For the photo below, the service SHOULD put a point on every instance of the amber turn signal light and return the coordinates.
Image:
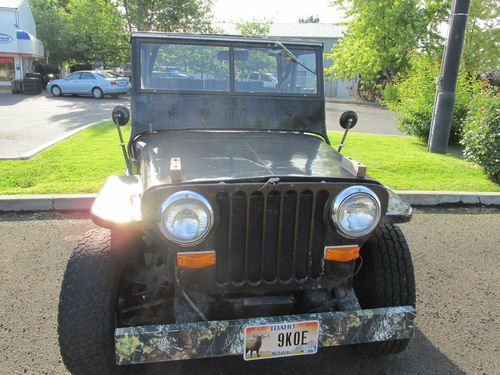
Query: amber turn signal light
(196, 259)
(341, 253)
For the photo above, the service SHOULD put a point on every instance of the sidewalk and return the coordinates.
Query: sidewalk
(83, 202)
(354, 101)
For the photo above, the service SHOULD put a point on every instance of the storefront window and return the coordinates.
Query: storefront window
(7, 72)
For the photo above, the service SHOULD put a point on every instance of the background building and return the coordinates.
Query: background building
(326, 33)
(19, 47)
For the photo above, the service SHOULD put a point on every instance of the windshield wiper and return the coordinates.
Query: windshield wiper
(285, 52)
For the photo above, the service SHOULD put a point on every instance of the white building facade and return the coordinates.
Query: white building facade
(19, 47)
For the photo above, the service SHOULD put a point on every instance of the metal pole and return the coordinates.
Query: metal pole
(445, 97)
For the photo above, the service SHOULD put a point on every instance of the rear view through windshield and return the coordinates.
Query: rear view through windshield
(190, 67)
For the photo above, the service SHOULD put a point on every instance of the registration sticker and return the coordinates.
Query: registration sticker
(281, 340)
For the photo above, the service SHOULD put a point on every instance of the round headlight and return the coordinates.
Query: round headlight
(186, 218)
(355, 212)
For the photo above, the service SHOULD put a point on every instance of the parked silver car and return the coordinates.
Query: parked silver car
(90, 82)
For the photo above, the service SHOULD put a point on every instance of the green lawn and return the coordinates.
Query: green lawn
(81, 163)
(403, 163)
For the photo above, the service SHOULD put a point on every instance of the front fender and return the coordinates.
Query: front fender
(398, 210)
(118, 204)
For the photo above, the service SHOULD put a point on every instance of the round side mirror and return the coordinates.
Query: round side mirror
(348, 118)
(120, 115)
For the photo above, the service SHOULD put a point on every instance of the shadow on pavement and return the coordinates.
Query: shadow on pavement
(421, 357)
(9, 99)
(82, 110)
(12, 216)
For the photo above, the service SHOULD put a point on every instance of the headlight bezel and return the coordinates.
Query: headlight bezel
(182, 196)
(337, 202)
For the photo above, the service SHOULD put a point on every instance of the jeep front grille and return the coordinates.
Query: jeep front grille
(269, 236)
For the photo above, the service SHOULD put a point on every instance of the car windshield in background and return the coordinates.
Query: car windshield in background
(185, 67)
(108, 75)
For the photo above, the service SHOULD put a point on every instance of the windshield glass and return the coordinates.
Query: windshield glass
(189, 67)
(266, 70)
(181, 67)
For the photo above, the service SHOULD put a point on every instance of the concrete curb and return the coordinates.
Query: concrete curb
(436, 198)
(356, 102)
(60, 202)
(83, 202)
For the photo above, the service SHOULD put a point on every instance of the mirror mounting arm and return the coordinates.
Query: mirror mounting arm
(347, 121)
(121, 117)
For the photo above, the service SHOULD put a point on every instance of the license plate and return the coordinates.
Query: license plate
(281, 340)
(122, 83)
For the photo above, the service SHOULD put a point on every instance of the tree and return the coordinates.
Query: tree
(381, 35)
(81, 31)
(310, 19)
(481, 50)
(97, 31)
(254, 27)
(167, 15)
(52, 29)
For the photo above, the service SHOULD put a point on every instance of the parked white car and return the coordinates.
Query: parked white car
(90, 82)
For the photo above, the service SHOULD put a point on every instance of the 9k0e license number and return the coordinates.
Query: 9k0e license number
(281, 340)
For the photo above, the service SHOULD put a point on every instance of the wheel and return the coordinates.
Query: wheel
(87, 304)
(97, 93)
(55, 91)
(386, 279)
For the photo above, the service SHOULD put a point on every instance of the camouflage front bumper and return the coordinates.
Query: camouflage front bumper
(171, 342)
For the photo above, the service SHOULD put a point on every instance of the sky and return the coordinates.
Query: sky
(274, 10)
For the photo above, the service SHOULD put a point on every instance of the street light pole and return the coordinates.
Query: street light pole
(445, 94)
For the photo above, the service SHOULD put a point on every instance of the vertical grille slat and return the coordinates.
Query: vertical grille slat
(270, 243)
(238, 237)
(287, 235)
(270, 236)
(319, 234)
(301, 258)
(221, 265)
(254, 244)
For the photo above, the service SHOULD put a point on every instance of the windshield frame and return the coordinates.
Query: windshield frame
(231, 44)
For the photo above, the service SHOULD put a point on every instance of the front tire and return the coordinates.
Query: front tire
(97, 93)
(386, 279)
(87, 305)
(55, 91)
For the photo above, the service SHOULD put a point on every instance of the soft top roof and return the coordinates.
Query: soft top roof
(224, 38)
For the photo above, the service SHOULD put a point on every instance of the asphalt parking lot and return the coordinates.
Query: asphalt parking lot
(372, 119)
(29, 124)
(457, 264)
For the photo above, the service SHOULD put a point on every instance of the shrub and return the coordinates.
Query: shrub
(415, 96)
(481, 136)
(389, 93)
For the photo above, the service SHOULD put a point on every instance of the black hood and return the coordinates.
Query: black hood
(208, 156)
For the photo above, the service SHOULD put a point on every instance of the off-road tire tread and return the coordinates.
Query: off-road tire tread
(387, 278)
(86, 306)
